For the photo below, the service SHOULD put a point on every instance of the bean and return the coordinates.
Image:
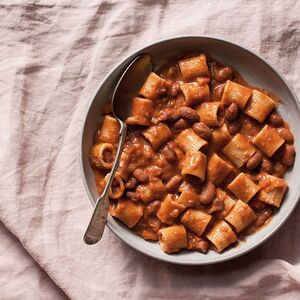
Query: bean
(232, 112)
(286, 134)
(174, 183)
(264, 216)
(218, 204)
(131, 183)
(222, 74)
(195, 242)
(208, 194)
(170, 154)
(254, 161)
(202, 130)
(168, 115)
(288, 155)
(266, 166)
(182, 124)
(189, 114)
(140, 175)
(153, 207)
(234, 127)
(275, 120)
(203, 80)
(134, 196)
(218, 92)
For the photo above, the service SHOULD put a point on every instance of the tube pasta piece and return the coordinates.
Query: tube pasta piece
(236, 93)
(193, 67)
(173, 238)
(155, 189)
(241, 216)
(259, 106)
(220, 137)
(158, 135)
(195, 220)
(194, 93)
(189, 198)
(243, 187)
(103, 155)
(221, 235)
(228, 203)
(273, 190)
(190, 141)
(117, 188)
(169, 210)
(268, 140)
(239, 150)
(127, 211)
(218, 169)
(109, 132)
(153, 86)
(141, 112)
(195, 164)
(210, 113)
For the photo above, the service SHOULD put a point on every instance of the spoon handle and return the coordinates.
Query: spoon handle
(96, 226)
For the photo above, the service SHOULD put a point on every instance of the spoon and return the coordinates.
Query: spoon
(127, 88)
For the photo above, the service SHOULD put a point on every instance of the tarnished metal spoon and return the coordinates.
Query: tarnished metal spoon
(126, 88)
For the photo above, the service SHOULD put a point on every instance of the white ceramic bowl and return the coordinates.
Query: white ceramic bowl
(257, 72)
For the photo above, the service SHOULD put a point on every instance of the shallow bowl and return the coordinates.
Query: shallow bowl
(257, 72)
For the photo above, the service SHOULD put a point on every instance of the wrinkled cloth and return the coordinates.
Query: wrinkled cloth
(54, 55)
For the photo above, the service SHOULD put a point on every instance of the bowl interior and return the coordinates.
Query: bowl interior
(258, 73)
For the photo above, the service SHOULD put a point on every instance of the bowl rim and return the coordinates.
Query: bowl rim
(170, 258)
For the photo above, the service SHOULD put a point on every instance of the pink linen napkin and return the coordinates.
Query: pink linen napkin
(54, 55)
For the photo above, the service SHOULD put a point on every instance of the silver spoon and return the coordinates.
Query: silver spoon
(126, 88)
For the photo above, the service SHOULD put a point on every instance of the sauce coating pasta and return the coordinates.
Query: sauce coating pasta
(203, 160)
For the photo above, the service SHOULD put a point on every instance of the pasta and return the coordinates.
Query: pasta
(141, 112)
(189, 198)
(218, 169)
(240, 216)
(169, 210)
(211, 113)
(173, 238)
(228, 203)
(190, 141)
(221, 235)
(239, 150)
(153, 87)
(203, 159)
(127, 211)
(268, 140)
(158, 135)
(109, 132)
(220, 137)
(195, 220)
(193, 67)
(117, 188)
(103, 155)
(243, 187)
(235, 93)
(194, 93)
(259, 106)
(272, 190)
(195, 164)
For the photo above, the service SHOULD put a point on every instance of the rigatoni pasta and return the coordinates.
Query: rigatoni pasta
(190, 141)
(243, 187)
(202, 161)
(239, 150)
(259, 106)
(195, 164)
(240, 216)
(236, 93)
